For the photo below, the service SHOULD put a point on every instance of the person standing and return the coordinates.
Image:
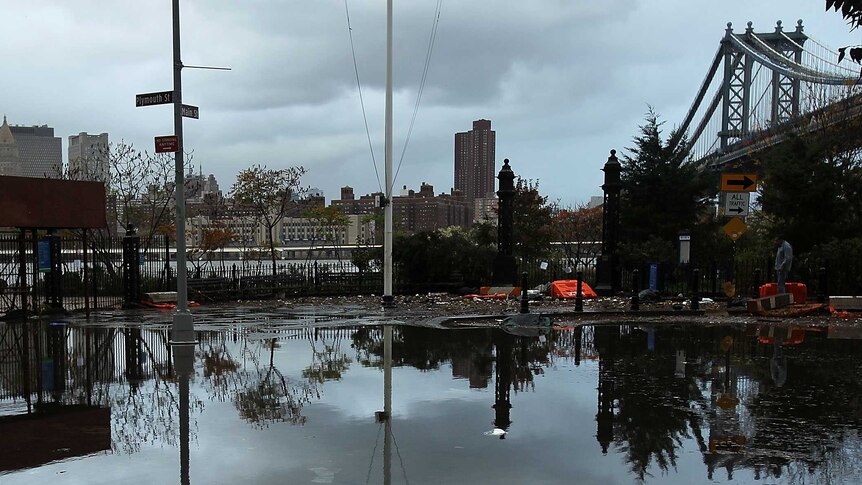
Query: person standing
(783, 260)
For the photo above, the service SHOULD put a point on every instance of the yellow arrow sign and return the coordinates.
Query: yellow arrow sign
(738, 182)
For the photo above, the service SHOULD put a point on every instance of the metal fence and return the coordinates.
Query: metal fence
(90, 275)
(85, 271)
(743, 276)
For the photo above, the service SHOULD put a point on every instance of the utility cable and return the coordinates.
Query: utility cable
(361, 100)
(429, 51)
(373, 452)
(398, 452)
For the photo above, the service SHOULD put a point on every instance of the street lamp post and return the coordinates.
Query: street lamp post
(183, 327)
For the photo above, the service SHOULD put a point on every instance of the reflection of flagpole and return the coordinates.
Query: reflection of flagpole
(387, 404)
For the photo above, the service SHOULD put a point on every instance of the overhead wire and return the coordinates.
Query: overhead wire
(361, 100)
(429, 51)
(400, 460)
(373, 453)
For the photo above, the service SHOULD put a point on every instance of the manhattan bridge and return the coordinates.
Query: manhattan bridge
(762, 87)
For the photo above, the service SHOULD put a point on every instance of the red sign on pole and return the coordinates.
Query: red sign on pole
(167, 144)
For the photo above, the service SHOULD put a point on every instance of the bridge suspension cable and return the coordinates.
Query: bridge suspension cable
(782, 64)
(818, 57)
(788, 66)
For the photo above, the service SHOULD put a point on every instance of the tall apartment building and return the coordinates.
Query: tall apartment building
(474, 161)
(88, 157)
(40, 153)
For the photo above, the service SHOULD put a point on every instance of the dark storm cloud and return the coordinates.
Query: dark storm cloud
(562, 81)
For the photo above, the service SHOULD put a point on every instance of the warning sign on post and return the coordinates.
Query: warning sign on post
(167, 144)
(735, 228)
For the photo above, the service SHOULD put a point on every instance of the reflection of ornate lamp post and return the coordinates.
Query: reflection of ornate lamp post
(502, 389)
(605, 414)
(605, 341)
(608, 273)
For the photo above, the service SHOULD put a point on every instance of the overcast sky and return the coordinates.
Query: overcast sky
(563, 81)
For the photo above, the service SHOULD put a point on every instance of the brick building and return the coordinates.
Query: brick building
(413, 211)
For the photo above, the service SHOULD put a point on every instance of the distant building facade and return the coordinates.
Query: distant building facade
(485, 209)
(88, 157)
(9, 156)
(349, 204)
(474, 161)
(413, 211)
(40, 153)
(250, 232)
(200, 187)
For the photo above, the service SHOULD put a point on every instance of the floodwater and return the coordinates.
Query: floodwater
(271, 403)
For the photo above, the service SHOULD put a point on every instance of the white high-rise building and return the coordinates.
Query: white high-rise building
(88, 157)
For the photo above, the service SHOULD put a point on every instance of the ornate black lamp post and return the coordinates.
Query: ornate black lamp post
(608, 271)
(504, 263)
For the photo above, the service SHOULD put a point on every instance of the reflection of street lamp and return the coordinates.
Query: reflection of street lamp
(184, 357)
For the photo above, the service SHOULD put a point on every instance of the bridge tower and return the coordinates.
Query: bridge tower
(738, 64)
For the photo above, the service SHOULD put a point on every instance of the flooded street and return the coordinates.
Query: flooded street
(297, 403)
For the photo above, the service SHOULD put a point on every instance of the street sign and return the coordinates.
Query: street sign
(735, 228)
(190, 111)
(44, 255)
(150, 99)
(738, 182)
(736, 203)
(167, 144)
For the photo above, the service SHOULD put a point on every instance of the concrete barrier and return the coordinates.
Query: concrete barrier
(846, 303)
(757, 305)
(161, 297)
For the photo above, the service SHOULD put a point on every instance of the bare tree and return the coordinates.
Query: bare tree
(579, 232)
(139, 190)
(268, 193)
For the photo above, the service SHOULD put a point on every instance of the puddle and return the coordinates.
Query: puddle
(305, 400)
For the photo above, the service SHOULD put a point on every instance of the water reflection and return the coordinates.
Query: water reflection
(753, 403)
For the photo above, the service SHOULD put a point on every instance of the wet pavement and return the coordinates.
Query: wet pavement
(297, 393)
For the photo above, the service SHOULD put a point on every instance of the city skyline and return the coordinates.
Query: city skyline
(563, 85)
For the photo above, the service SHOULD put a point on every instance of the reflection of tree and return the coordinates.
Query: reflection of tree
(806, 423)
(146, 410)
(654, 412)
(260, 391)
(265, 395)
(329, 362)
(794, 430)
(219, 368)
